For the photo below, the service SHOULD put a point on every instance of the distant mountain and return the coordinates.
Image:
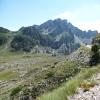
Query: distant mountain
(58, 26)
(4, 35)
(3, 30)
(59, 35)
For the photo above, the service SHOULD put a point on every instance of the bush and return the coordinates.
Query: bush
(68, 69)
(16, 90)
(95, 57)
(49, 74)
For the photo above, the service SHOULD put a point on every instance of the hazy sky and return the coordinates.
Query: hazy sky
(84, 14)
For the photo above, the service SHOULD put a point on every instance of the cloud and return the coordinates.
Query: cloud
(65, 15)
(85, 17)
(82, 19)
(95, 25)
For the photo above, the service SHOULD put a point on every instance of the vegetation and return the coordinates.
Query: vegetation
(86, 85)
(18, 68)
(16, 90)
(95, 57)
(7, 75)
(22, 42)
(67, 69)
(69, 88)
(95, 51)
(50, 78)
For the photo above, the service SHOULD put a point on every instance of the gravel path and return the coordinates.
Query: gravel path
(92, 94)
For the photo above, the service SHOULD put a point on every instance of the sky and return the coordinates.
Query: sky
(84, 14)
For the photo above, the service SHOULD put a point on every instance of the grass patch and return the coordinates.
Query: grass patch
(7, 75)
(69, 88)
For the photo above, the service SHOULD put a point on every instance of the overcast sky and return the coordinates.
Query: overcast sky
(84, 14)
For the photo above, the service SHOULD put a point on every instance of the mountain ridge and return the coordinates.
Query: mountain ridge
(53, 34)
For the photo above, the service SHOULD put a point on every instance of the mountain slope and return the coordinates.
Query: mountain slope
(58, 26)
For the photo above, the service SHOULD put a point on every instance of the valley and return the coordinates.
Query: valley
(49, 50)
(18, 69)
(42, 62)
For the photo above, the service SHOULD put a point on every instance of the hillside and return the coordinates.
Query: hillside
(69, 90)
(86, 84)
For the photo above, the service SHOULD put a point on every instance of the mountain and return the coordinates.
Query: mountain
(39, 67)
(58, 26)
(4, 36)
(4, 30)
(59, 35)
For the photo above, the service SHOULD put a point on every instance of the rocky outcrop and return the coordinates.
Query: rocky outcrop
(82, 55)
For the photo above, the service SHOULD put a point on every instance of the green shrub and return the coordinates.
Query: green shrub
(67, 69)
(16, 90)
(49, 74)
(95, 57)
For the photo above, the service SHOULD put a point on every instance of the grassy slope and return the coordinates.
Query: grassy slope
(70, 87)
(7, 75)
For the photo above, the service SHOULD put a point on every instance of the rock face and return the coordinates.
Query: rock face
(55, 33)
(92, 94)
(59, 26)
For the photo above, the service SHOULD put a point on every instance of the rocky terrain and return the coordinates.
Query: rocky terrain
(92, 94)
(82, 55)
(23, 69)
